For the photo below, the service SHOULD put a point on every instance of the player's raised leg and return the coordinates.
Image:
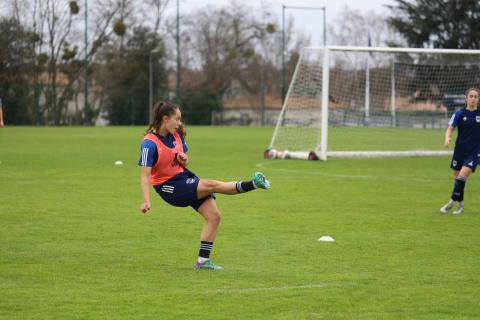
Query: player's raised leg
(207, 186)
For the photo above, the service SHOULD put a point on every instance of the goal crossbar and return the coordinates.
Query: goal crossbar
(393, 50)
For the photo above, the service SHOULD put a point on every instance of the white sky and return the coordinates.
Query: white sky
(305, 20)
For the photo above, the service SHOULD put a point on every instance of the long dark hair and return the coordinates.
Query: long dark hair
(164, 108)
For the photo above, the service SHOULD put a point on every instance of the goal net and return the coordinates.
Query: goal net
(371, 102)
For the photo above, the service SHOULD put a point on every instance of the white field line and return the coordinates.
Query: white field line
(310, 172)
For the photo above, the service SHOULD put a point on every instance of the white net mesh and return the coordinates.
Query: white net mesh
(299, 122)
(377, 101)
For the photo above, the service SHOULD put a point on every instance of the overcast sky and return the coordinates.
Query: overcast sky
(305, 20)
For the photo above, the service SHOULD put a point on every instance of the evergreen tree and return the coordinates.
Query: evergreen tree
(453, 24)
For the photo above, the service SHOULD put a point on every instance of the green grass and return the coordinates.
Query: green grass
(72, 245)
(360, 139)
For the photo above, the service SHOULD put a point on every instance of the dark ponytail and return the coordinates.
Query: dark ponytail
(160, 109)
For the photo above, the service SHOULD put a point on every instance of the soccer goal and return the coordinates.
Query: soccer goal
(372, 102)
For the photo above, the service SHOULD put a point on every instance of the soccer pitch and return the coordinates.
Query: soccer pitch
(73, 245)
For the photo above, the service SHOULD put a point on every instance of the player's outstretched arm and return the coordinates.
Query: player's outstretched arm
(1, 114)
(145, 187)
(448, 136)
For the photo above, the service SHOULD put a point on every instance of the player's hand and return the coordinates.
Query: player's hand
(144, 207)
(1, 124)
(447, 142)
(182, 159)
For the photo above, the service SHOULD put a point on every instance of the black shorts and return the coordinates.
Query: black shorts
(461, 159)
(181, 190)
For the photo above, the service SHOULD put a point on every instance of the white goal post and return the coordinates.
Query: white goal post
(372, 102)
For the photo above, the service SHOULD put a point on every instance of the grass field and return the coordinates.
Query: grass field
(360, 139)
(73, 245)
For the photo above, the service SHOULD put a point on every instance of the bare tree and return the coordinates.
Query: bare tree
(157, 9)
(59, 22)
(354, 27)
(224, 43)
(58, 62)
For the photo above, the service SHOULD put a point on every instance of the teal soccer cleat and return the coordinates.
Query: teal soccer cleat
(207, 265)
(261, 181)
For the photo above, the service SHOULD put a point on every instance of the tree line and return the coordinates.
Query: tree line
(46, 69)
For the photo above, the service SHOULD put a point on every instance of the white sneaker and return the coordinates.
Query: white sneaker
(459, 209)
(447, 207)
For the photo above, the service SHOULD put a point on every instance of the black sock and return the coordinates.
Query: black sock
(205, 248)
(458, 188)
(244, 186)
